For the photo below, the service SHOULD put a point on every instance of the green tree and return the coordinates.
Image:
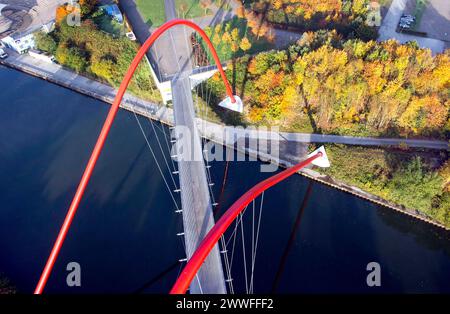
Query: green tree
(414, 186)
(45, 42)
(72, 57)
(103, 68)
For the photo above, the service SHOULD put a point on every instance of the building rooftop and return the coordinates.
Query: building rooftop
(17, 35)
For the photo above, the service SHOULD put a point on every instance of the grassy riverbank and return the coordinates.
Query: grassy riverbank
(414, 179)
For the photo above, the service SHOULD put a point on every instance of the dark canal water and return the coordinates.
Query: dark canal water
(124, 234)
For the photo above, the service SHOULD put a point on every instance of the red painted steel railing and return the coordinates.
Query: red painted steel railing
(104, 133)
(213, 236)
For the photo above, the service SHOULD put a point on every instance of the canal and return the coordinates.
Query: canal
(313, 239)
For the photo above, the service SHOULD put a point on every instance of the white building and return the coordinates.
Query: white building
(19, 42)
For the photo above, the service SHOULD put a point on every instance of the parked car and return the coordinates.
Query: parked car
(3, 54)
(408, 16)
(406, 21)
(405, 24)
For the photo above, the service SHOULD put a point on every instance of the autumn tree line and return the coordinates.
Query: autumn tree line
(347, 17)
(326, 85)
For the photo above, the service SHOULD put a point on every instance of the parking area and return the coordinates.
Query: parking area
(13, 19)
(23, 15)
(435, 20)
(389, 26)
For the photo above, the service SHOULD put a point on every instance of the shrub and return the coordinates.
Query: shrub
(45, 42)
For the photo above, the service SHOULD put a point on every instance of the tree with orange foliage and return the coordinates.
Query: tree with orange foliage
(245, 44)
(61, 12)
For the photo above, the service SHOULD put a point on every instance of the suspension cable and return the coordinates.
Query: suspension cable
(256, 242)
(224, 222)
(203, 112)
(244, 254)
(162, 153)
(104, 134)
(157, 163)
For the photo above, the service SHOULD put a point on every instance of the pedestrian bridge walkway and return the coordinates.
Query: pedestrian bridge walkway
(196, 203)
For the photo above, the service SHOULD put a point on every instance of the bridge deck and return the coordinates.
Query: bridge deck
(195, 199)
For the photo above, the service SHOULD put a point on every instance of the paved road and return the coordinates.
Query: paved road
(285, 38)
(214, 130)
(363, 141)
(142, 31)
(171, 51)
(436, 20)
(389, 25)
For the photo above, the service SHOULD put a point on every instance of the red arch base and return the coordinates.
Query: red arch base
(104, 133)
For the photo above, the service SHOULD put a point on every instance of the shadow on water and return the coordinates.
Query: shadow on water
(292, 237)
(157, 278)
(431, 237)
(124, 234)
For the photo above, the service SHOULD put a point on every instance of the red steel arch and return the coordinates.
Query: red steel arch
(213, 236)
(104, 133)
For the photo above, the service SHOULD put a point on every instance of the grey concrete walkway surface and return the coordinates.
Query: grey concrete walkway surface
(389, 25)
(196, 204)
(215, 131)
(436, 20)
